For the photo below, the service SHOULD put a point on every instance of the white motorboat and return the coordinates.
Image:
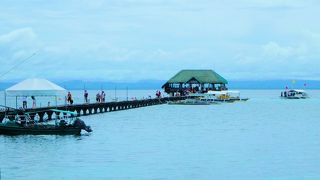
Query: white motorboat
(294, 94)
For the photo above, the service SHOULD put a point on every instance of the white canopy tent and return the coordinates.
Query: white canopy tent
(34, 87)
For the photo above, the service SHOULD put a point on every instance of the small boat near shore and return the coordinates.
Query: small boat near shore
(294, 94)
(67, 125)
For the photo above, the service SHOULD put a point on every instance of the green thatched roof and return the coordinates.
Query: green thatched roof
(202, 76)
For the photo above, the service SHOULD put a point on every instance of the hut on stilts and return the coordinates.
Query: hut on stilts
(194, 81)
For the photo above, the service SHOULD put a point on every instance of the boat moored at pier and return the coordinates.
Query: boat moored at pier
(69, 124)
(222, 96)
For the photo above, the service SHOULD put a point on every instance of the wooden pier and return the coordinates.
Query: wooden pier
(44, 113)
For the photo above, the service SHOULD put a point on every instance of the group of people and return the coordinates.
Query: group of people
(101, 97)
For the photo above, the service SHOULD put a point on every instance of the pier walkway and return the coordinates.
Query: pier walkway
(44, 113)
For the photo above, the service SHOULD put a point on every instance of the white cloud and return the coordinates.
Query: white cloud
(18, 44)
(142, 39)
(274, 50)
(279, 3)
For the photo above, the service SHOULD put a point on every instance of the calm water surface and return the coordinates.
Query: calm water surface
(263, 138)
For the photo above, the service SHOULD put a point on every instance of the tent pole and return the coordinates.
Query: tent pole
(56, 101)
(5, 98)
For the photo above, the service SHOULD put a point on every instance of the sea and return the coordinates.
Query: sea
(263, 138)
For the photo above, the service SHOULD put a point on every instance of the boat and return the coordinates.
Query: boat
(69, 124)
(294, 94)
(225, 96)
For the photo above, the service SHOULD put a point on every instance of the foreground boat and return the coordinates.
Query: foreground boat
(68, 125)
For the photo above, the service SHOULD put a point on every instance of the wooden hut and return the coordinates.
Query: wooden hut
(194, 81)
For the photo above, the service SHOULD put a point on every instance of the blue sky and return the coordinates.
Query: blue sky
(130, 40)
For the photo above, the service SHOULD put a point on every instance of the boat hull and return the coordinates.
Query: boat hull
(293, 97)
(190, 102)
(49, 130)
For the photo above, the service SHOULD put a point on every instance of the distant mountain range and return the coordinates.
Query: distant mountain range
(156, 84)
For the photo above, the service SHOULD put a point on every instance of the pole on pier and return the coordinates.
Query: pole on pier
(115, 93)
(127, 93)
(84, 88)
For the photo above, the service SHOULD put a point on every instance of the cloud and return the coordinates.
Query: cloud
(278, 4)
(15, 47)
(142, 39)
(274, 61)
(18, 44)
(274, 50)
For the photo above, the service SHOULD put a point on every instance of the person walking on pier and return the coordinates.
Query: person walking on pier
(86, 94)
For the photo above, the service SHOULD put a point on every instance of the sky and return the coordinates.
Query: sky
(133, 40)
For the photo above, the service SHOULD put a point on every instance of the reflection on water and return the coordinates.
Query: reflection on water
(263, 138)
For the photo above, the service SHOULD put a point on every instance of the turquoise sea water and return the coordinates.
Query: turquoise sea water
(263, 138)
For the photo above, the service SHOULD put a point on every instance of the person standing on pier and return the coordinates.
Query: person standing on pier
(86, 94)
(98, 96)
(33, 102)
(103, 96)
(69, 98)
(158, 94)
(24, 102)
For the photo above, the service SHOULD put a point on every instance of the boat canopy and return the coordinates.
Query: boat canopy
(223, 92)
(217, 92)
(35, 87)
(65, 112)
(298, 90)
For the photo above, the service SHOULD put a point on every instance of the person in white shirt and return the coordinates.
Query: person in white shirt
(24, 102)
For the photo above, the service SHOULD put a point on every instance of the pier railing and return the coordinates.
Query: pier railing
(44, 113)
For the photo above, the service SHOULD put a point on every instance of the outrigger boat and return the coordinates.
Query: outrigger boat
(210, 97)
(69, 124)
(190, 101)
(221, 96)
(228, 96)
